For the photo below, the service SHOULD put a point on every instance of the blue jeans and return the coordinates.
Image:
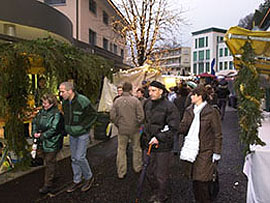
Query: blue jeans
(79, 162)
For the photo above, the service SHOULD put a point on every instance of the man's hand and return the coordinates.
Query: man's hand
(153, 141)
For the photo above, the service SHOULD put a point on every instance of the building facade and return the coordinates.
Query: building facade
(174, 61)
(209, 51)
(92, 24)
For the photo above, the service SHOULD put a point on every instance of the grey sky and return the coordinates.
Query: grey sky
(202, 14)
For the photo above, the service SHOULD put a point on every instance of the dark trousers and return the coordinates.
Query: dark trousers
(222, 105)
(201, 191)
(50, 167)
(158, 173)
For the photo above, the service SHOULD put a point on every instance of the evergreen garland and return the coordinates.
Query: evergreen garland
(249, 96)
(61, 61)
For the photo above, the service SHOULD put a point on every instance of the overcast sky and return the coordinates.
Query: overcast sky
(202, 14)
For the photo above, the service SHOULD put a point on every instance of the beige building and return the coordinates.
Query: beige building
(92, 23)
(174, 61)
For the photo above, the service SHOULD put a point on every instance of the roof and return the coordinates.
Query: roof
(212, 29)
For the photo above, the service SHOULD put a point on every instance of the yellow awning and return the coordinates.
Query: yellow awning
(236, 38)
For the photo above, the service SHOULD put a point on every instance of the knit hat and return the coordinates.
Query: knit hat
(158, 85)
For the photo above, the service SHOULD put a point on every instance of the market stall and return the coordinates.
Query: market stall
(251, 52)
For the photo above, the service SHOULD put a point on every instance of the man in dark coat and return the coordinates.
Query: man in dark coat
(161, 123)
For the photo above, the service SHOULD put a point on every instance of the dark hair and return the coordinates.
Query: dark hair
(140, 90)
(200, 90)
(127, 87)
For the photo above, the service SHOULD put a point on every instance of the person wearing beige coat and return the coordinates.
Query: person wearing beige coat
(128, 115)
(209, 143)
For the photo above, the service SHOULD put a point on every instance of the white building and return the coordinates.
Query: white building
(175, 61)
(209, 51)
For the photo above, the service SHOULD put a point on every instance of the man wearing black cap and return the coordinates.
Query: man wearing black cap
(161, 123)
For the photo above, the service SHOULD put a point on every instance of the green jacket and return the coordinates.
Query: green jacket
(79, 115)
(50, 124)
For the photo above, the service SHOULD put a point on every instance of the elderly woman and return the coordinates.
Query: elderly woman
(47, 127)
(201, 126)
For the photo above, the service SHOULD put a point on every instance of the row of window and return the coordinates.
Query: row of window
(201, 42)
(106, 45)
(92, 8)
(205, 67)
(225, 65)
(224, 52)
(203, 54)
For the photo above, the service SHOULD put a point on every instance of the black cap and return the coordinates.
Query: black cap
(159, 85)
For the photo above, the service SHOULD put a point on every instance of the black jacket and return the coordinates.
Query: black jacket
(158, 114)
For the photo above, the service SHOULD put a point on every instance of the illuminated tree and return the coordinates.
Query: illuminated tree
(147, 22)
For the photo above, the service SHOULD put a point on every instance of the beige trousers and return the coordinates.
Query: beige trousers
(121, 161)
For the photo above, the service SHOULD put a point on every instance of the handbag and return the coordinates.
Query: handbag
(214, 184)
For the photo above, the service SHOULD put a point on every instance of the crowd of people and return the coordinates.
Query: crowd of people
(154, 117)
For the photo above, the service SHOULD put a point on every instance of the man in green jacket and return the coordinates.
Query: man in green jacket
(79, 116)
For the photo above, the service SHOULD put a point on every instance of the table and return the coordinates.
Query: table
(257, 166)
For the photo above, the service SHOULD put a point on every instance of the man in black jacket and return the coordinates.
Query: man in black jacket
(161, 123)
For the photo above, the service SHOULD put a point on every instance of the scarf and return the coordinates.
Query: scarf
(190, 149)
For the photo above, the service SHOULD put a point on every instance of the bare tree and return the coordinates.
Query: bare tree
(149, 21)
(247, 22)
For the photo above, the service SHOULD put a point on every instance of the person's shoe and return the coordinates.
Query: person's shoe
(73, 187)
(88, 183)
(45, 190)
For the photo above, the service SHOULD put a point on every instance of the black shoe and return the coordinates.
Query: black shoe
(45, 190)
(74, 186)
(88, 183)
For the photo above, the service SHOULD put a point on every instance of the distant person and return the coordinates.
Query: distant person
(161, 124)
(201, 126)
(79, 116)
(119, 92)
(47, 127)
(222, 95)
(127, 114)
(172, 94)
(140, 95)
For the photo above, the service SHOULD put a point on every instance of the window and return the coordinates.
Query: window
(225, 65)
(225, 51)
(201, 55)
(207, 54)
(115, 48)
(221, 39)
(220, 52)
(55, 1)
(105, 18)
(206, 41)
(220, 66)
(105, 44)
(111, 47)
(195, 69)
(230, 65)
(122, 53)
(201, 42)
(93, 6)
(92, 37)
(196, 42)
(201, 68)
(207, 66)
(194, 56)
(217, 38)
